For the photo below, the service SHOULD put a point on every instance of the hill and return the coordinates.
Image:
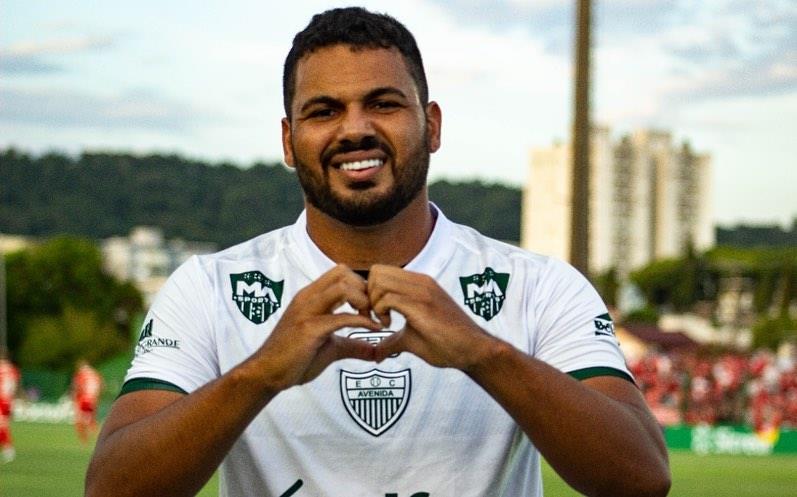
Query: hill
(98, 195)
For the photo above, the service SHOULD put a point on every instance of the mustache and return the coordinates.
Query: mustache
(365, 143)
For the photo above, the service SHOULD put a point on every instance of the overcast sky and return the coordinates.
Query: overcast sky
(203, 79)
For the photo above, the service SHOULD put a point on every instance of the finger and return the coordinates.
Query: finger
(350, 348)
(384, 280)
(394, 344)
(333, 290)
(400, 303)
(381, 309)
(338, 347)
(409, 285)
(325, 325)
(391, 278)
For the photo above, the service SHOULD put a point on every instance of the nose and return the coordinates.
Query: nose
(355, 125)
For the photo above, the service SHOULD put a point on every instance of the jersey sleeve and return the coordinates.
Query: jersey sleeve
(575, 333)
(176, 346)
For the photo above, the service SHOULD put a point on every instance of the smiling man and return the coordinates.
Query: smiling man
(358, 134)
(374, 348)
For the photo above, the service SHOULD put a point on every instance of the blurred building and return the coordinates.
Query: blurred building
(649, 199)
(145, 258)
(14, 243)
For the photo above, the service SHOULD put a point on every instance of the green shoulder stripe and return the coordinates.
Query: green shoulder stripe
(148, 384)
(583, 374)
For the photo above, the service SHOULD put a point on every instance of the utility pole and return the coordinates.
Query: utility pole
(579, 220)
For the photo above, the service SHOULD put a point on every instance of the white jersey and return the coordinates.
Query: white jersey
(400, 428)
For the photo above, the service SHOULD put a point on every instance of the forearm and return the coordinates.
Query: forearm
(175, 450)
(599, 445)
(172, 444)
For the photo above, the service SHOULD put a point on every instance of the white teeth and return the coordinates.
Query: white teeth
(363, 164)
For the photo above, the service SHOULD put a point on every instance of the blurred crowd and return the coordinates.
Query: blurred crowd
(758, 389)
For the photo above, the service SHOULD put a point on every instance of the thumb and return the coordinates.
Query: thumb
(351, 348)
(394, 344)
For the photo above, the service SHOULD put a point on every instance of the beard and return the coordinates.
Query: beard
(363, 207)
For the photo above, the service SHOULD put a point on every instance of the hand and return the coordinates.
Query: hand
(303, 343)
(437, 330)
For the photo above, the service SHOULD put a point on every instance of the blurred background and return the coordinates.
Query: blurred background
(133, 135)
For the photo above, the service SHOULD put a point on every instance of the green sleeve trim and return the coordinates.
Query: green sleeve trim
(583, 374)
(137, 384)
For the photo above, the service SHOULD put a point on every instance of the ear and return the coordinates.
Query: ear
(434, 121)
(287, 149)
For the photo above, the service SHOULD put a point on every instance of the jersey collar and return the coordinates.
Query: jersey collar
(431, 260)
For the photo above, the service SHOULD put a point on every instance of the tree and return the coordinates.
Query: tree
(678, 283)
(98, 195)
(608, 286)
(63, 306)
(658, 281)
(492, 209)
(771, 332)
(58, 342)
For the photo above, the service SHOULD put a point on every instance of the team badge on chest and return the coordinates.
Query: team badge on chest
(375, 399)
(256, 296)
(485, 293)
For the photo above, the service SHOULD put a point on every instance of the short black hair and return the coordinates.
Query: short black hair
(358, 28)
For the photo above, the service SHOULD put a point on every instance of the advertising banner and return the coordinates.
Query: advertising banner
(705, 439)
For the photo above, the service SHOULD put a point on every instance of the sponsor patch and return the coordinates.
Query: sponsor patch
(604, 325)
(148, 341)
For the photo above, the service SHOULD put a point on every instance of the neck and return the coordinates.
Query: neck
(395, 242)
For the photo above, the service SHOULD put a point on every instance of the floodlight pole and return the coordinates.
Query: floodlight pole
(579, 221)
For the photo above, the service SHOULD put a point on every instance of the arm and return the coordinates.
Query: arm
(597, 434)
(172, 442)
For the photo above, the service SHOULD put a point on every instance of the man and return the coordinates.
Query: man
(374, 348)
(86, 388)
(9, 380)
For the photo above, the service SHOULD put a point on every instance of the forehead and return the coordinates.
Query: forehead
(339, 71)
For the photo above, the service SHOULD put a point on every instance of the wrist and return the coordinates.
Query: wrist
(488, 353)
(252, 377)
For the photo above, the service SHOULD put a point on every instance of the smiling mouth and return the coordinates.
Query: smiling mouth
(360, 165)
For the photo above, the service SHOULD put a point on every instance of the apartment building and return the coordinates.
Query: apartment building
(147, 259)
(649, 199)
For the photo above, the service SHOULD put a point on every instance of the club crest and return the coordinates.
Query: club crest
(375, 399)
(256, 296)
(485, 293)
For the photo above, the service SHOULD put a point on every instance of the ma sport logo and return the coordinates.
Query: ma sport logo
(485, 293)
(256, 296)
(375, 399)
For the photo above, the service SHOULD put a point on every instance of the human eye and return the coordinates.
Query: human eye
(386, 105)
(320, 113)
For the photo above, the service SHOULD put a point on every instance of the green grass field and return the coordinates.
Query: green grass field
(51, 462)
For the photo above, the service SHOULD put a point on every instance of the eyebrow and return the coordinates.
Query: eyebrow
(385, 90)
(334, 102)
